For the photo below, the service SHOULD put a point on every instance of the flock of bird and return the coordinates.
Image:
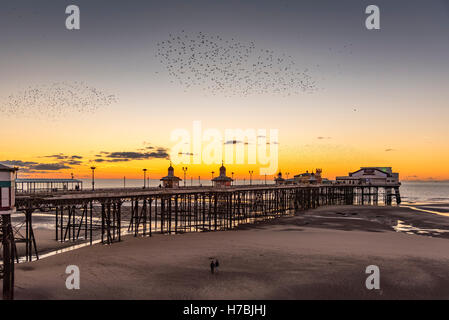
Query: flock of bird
(209, 62)
(230, 67)
(56, 100)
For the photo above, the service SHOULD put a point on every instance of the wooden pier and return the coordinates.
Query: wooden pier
(107, 215)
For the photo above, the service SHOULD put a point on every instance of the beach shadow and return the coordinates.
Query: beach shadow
(290, 229)
(25, 268)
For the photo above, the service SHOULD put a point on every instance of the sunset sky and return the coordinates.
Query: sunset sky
(380, 97)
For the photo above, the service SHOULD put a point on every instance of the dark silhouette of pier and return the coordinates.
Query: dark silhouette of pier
(106, 215)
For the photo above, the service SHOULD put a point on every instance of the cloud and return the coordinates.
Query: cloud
(388, 150)
(49, 166)
(160, 154)
(61, 156)
(323, 138)
(185, 153)
(64, 161)
(233, 142)
(18, 163)
(74, 162)
(34, 167)
(118, 156)
(127, 155)
(111, 160)
(146, 148)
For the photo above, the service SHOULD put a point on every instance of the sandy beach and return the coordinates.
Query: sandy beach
(319, 254)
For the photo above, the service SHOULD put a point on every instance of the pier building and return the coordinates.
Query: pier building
(370, 175)
(48, 185)
(279, 180)
(222, 180)
(170, 180)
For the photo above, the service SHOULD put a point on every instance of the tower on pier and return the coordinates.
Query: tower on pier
(222, 180)
(170, 180)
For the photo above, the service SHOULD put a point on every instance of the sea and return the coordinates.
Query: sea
(417, 192)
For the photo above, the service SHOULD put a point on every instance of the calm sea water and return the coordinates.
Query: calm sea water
(425, 192)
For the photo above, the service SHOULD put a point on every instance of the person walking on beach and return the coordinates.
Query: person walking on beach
(216, 264)
(212, 266)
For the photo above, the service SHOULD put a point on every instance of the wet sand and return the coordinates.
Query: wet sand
(320, 254)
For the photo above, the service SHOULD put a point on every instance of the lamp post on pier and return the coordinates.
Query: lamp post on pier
(144, 178)
(232, 174)
(185, 170)
(251, 177)
(93, 177)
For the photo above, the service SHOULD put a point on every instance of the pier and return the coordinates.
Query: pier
(107, 215)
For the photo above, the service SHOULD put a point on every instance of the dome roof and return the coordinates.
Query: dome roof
(222, 176)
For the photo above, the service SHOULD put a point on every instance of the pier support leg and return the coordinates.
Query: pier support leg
(397, 195)
(7, 269)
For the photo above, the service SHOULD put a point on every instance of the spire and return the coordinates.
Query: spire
(171, 171)
(222, 170)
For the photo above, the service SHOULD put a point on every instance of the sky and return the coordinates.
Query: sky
(111, 94)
